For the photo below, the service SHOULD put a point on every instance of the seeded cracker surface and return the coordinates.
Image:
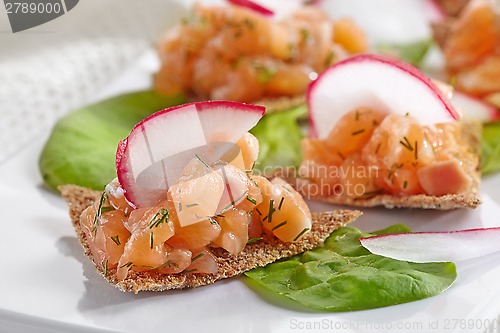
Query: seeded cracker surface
(254, 255)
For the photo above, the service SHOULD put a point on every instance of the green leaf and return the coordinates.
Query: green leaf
(413, 53)
(279, 135)
(343, 276)
(81, 149)
(490, 146)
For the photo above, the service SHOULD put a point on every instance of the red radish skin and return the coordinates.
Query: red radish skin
(370, 80)
(474, 108)
(435, 246)
(434, 10)
(215, 121)
(253, 6)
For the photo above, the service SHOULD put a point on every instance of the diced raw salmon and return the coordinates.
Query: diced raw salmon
(234, 236)
(283, 211)
(443, 177)
(474, 36)
(233, 53)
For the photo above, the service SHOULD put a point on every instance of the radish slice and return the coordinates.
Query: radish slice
(474, 108)
(253, 6)
(377, 82)
(434, 11)
(152, 157)
(435, 246)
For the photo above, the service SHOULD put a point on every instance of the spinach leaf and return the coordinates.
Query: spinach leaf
(343, 276)
(490, 146)
(81, 149)
(413, 53)
(279, 135)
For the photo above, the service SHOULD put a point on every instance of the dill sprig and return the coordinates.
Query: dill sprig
(281, 203)
(198, 256)
(159, 218)
(301, 233)
(395, 167)
(358, 132)
(271, 211)
(253, 240)
(151, 241)
(277, 226)
(104, 267)
(98, 214)
(128, 264)
(233, 203)
(168, 263)
(252, 200)
(116, 239)
(202, 161)
(406, 143)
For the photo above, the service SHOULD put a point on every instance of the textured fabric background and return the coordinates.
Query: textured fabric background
(47, 71)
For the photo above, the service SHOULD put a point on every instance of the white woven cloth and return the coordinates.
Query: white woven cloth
(73, 60)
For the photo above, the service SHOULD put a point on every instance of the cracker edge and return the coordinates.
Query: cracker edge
(254, 255)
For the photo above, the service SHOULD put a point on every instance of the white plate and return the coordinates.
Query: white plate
(47, 285)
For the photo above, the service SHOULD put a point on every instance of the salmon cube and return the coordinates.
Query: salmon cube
(443, 177)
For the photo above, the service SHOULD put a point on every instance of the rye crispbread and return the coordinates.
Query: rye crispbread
(255, 254)
(470, 135)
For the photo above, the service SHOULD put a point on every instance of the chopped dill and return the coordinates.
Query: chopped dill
(301, 233)
(202, 161)
(198, 256)
(305, 34)
(395, 167)
(405, 184)
(233, 203)
(253, 240)
(99, 212)
(329, 58)
(258, 211)
(278, 225)
(357, 132)
(264, 73)
(249, 23)
(281, 203)
(168, 263)
(406, 143)
(159, 218)
(116, 239)
(128, 264)
(252, 200)
(192, 205)
(271, 211)
(416, 150)
(105, 267)
(151, 240)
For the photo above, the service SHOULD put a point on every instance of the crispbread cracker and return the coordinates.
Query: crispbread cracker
(254, 255)
(470, 135)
